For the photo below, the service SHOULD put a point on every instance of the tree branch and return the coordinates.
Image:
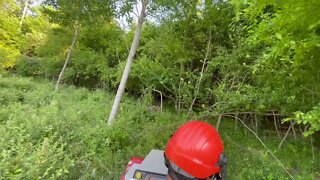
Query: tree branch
(67, 59)
(161, 105)
(202, 72)
(24, 13)
(292, 124)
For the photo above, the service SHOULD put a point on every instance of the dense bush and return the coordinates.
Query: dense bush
(65, 136)
(226, 56)
(45, 135)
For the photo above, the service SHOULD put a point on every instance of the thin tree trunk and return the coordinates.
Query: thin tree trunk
(201, 73)
(67, 59)
(312, 148)
(218, 122)
(179, 98)
(275, 124)
(293, 130)
(127, 69)
(161, 98)
(292, 124)
(256, 121)
(24, 13)
(235, 122)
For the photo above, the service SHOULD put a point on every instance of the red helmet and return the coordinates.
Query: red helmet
(196, 148)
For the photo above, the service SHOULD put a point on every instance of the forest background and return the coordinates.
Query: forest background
(254, 60)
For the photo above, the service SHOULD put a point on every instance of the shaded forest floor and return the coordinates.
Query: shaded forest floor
(65, 135)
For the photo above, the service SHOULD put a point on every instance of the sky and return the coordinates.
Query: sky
(123, 21)
(36, 3)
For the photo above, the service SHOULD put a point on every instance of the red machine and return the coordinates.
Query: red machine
(151, 166)
(194, 151)
(133, 161)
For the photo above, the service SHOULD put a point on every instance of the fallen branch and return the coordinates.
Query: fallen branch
(292, 124)
(234, 143)
(252, 151)
(264, 146)
(257, 113)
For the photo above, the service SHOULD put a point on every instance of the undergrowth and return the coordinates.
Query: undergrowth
(65, 136)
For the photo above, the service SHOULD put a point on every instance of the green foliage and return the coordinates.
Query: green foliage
(9, 35)
(55, 45)
(8, 57)
(78, 11)
(310, 118)
(259, 55)
(15, 41)
(100, 53)
(50, 126)
(171, 54)
(253, 55)
(286, 67)
(65, 136)
(247, 160)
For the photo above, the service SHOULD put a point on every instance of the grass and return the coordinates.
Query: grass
(65, 136)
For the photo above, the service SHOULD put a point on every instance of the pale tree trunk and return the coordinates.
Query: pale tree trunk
(67, 59)
(126, 71)
(201, 73)
(24, 12)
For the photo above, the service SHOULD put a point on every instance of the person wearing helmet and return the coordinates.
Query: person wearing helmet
(195, 151)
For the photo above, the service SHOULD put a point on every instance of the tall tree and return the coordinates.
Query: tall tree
(127, 69)
(177, 49)
(74, 14)
(67, 59)
(24, 12)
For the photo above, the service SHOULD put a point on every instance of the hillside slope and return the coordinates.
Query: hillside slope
(65, 136)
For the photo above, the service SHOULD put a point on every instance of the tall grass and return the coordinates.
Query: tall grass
(65, 136)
